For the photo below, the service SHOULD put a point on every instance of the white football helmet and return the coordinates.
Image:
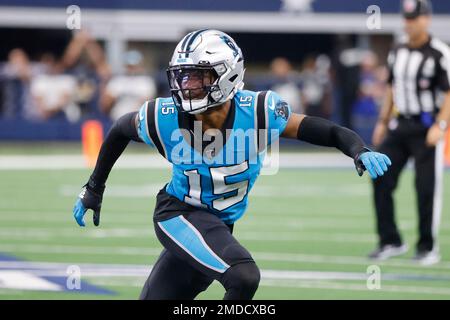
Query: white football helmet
(209, 60)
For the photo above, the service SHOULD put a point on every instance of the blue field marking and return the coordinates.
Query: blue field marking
(84, 288)
(8, 257)
(26, 268)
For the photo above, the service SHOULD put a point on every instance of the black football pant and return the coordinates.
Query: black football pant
(198, 249)
(402, 143)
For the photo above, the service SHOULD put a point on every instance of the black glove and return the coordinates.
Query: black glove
(90, 198)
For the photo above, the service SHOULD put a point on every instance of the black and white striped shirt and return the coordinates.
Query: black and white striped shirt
(418, 76)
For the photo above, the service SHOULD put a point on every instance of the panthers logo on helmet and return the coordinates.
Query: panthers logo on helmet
(282, 110)
(230, 43)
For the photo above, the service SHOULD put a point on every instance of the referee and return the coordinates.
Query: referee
(419, 96)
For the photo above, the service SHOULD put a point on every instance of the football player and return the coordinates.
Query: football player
(215, 135)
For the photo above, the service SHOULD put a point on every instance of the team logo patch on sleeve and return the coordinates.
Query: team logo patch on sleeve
(281, 110)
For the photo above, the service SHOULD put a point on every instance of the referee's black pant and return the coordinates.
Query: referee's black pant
(408, 140)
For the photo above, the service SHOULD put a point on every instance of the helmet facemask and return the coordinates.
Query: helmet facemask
(195, 88)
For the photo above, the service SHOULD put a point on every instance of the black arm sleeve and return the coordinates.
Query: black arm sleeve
(117, 139)
(323, 132)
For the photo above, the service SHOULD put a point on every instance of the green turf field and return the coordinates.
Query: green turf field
(315, 222)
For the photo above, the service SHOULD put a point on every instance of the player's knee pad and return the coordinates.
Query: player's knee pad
(241, 280)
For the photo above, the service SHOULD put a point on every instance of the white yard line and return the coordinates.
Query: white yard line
(356, 287)
(59, 162)
(47, 249)
(243, 234)
(139, 270)
(304, 284)
(251, 215)
(135, 275)
(85, 250)
(138, 161)
(253, 220)
(289, 191)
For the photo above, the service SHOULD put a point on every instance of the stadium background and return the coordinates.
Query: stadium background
(309, 227)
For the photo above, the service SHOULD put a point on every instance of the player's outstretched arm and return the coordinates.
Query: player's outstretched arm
(323, 132)
(117, 139)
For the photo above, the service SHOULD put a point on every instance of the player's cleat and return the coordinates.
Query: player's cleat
(388, 251)
(427, 258)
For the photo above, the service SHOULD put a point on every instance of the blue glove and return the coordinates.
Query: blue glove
(88, 199)
(374, 162)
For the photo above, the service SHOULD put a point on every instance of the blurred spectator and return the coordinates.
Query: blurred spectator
(53, 88)
(54, 92)
(370, 94)
(126, 93)
(85, 59)
(287, 83)
(16, 74)
(372, 78)
(346, 60)
(316, 86)
(2, 89)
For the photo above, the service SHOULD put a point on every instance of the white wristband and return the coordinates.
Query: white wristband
(442, 125)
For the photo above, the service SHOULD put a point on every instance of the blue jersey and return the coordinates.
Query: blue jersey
(215, 170)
